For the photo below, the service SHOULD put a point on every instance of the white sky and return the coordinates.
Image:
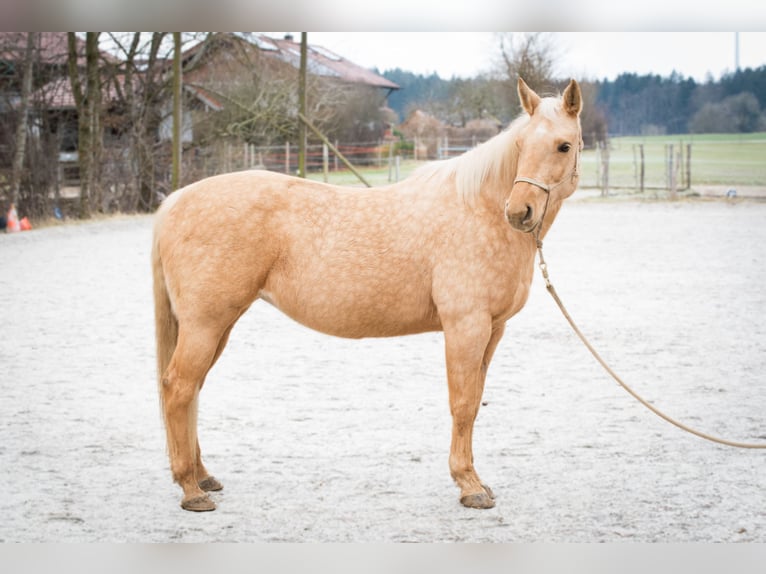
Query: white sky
(582, 55)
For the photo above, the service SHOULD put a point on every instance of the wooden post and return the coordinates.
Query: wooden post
(672, 184)
(335, 157)
(325, 162)
(688, 166)
(635, 166)
(604, 169)
(643, 168)
(287, 158)
(668, 165)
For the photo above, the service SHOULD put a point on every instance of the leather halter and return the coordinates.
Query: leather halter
(547, 188)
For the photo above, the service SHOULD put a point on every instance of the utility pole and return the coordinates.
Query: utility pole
(302, 106)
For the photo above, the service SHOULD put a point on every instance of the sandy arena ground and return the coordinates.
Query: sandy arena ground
(323, 439)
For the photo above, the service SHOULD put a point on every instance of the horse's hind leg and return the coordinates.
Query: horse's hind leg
(205, 480)
(196, 349)
(470, 343)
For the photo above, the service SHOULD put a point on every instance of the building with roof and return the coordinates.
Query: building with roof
(241, 86)
(247, 70)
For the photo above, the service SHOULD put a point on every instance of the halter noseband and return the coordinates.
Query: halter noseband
(541, 185)
(546, 187)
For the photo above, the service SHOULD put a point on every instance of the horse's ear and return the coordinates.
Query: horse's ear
(529, 99)
(572, 98)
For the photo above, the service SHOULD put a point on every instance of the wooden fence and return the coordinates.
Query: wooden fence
(638, 167)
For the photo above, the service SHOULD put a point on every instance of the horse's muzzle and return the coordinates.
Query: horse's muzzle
(523, 219)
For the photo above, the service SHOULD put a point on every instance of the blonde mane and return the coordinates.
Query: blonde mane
(490, 165)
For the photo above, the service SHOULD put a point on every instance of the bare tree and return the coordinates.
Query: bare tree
(177, 120)
(23, 123)
(140, 83)
(350, 112)
(259, 96)
(88, 104)
(527, 55)
(530, 56)
(258, 99)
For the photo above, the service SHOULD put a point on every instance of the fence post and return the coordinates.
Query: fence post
(671, 170)
(688, 166)
(635, 165)
(379, 153)
(604, 146)
(643, 168)
(287, 158)
(325, 162)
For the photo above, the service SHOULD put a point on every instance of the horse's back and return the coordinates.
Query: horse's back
(349, 262)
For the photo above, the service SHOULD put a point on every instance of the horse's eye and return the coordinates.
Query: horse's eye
(565, 147)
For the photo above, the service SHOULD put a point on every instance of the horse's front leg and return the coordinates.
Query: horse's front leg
(470, 342)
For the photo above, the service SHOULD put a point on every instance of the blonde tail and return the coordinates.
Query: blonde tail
(166, 324)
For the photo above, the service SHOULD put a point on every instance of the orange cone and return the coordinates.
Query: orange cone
(13, 220)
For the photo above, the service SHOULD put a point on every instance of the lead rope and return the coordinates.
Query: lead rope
(659, 413)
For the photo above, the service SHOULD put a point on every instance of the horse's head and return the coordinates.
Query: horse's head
(548, 155)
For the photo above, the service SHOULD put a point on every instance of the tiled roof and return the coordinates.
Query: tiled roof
(323, 62)
(52, 46)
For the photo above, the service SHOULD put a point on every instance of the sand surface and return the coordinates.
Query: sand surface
(323, 439)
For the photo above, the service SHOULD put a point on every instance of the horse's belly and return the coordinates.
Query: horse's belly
(356, 312)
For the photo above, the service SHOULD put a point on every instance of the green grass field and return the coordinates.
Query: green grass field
(716, 160)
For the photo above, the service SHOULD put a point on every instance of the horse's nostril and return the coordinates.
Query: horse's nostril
(528, 214)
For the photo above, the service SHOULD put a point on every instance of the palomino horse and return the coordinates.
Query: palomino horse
(451, 248)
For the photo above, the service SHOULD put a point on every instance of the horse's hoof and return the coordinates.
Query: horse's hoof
(210, 484)
(198, 504)
(484, 499)
(477, 500)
